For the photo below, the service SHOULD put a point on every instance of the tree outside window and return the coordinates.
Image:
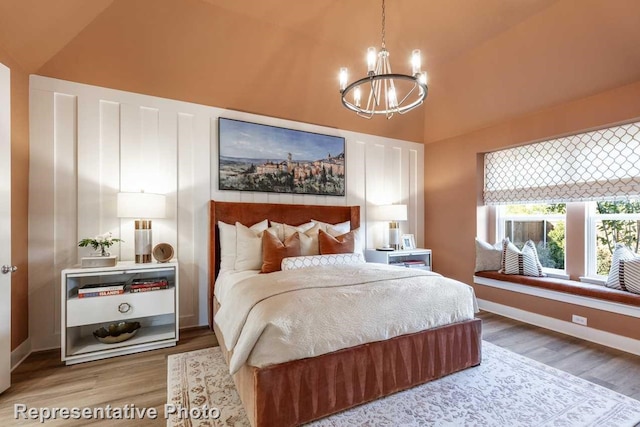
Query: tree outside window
(615, 222)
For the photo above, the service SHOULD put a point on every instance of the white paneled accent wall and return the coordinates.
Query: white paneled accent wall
(88, 143)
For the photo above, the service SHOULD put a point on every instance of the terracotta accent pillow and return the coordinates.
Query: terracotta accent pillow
(343, 244)
(274, 251)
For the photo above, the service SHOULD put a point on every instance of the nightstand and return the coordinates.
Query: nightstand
(411, 258)
(156, 310)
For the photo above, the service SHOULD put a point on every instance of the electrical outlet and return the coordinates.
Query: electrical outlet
(579, 320)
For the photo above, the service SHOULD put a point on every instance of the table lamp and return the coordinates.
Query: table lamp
(393, 214)
(142, 206)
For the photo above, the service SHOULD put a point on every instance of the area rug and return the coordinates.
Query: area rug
(505, 390)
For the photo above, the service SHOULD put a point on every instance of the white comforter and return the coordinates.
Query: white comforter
(289, 315)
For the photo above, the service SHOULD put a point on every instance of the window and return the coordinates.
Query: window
(611, 223)
(586, 174)
(542, 223)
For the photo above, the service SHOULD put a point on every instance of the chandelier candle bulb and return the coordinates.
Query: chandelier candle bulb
(415, 62)
(393, 101)
(356, 96)
(344, 77)
(371, 59)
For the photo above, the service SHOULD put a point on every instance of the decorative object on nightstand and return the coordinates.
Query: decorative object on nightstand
(118, 321)
(116, 332)
(101, 258)
(410, 258)
(408, 241)
(142, 206)
(393, 214)
(163, 252)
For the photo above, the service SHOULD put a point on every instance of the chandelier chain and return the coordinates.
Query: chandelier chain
(383, 30)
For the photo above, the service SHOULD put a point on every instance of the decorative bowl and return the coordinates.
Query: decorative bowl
(116, 332)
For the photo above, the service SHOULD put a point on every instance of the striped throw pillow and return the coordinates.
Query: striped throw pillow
(629, 274)
(524, 262)
(621, 254)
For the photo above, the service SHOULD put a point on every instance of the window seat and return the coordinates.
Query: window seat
(566, 286)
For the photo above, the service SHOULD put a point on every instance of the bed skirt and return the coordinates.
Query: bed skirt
(299, 391)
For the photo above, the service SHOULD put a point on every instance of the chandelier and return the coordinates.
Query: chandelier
(389, 93)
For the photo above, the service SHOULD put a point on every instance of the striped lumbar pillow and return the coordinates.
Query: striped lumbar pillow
(629, 274)
(620, 253)
(524, 262)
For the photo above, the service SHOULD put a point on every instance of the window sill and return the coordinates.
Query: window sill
(594, 280)
(555, 274)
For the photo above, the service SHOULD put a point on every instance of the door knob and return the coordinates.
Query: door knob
(6, 269)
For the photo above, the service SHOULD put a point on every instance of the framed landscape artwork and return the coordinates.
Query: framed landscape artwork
(255, 157)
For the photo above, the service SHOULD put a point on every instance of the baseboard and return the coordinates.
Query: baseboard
(45, 342)
(619, 342)
(20, 353)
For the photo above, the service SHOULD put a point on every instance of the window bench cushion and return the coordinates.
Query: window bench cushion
(568, 286)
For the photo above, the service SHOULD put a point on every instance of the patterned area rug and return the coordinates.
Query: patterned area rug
(505, 390)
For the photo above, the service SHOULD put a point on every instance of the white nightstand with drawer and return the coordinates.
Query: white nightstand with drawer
(412, 258)
(156, 310)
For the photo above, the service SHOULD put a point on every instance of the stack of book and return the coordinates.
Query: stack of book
(100, 290)
(145, 285)
(415, 264)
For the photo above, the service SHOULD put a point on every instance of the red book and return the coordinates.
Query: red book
(149, 288)
(148, 283)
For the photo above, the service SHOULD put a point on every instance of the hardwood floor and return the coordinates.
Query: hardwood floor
(42, 381)
(614, 369)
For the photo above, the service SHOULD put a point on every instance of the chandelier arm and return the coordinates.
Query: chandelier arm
(408, 94)
(372, 95)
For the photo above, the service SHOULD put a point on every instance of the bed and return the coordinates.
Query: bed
(299, 391)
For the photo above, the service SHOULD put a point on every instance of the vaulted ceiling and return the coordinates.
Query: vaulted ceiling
(488, 60)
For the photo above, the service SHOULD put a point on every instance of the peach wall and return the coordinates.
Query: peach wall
(453, 174)
(19, 198)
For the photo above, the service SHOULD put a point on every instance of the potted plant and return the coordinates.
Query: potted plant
(100, 243)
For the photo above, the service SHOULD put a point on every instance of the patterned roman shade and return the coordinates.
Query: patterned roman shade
(598, 165)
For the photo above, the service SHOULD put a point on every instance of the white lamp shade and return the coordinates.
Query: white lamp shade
(141, 205)
(390, 213)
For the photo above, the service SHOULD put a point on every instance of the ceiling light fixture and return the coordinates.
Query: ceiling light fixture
(385, 87)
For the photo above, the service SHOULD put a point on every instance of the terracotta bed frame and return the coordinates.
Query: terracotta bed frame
(300, 391)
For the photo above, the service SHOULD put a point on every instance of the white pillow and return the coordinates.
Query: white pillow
(524, 262)
(294, 263)
(309, 241)
(228, 242)
(249, 247)
(283, 231)
(488, 257)
(334, 229)
(227, 245)
(620, 253)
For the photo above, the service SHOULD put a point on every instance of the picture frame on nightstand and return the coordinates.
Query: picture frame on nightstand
(408, 241)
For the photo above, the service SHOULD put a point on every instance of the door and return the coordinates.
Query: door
(5, 229)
